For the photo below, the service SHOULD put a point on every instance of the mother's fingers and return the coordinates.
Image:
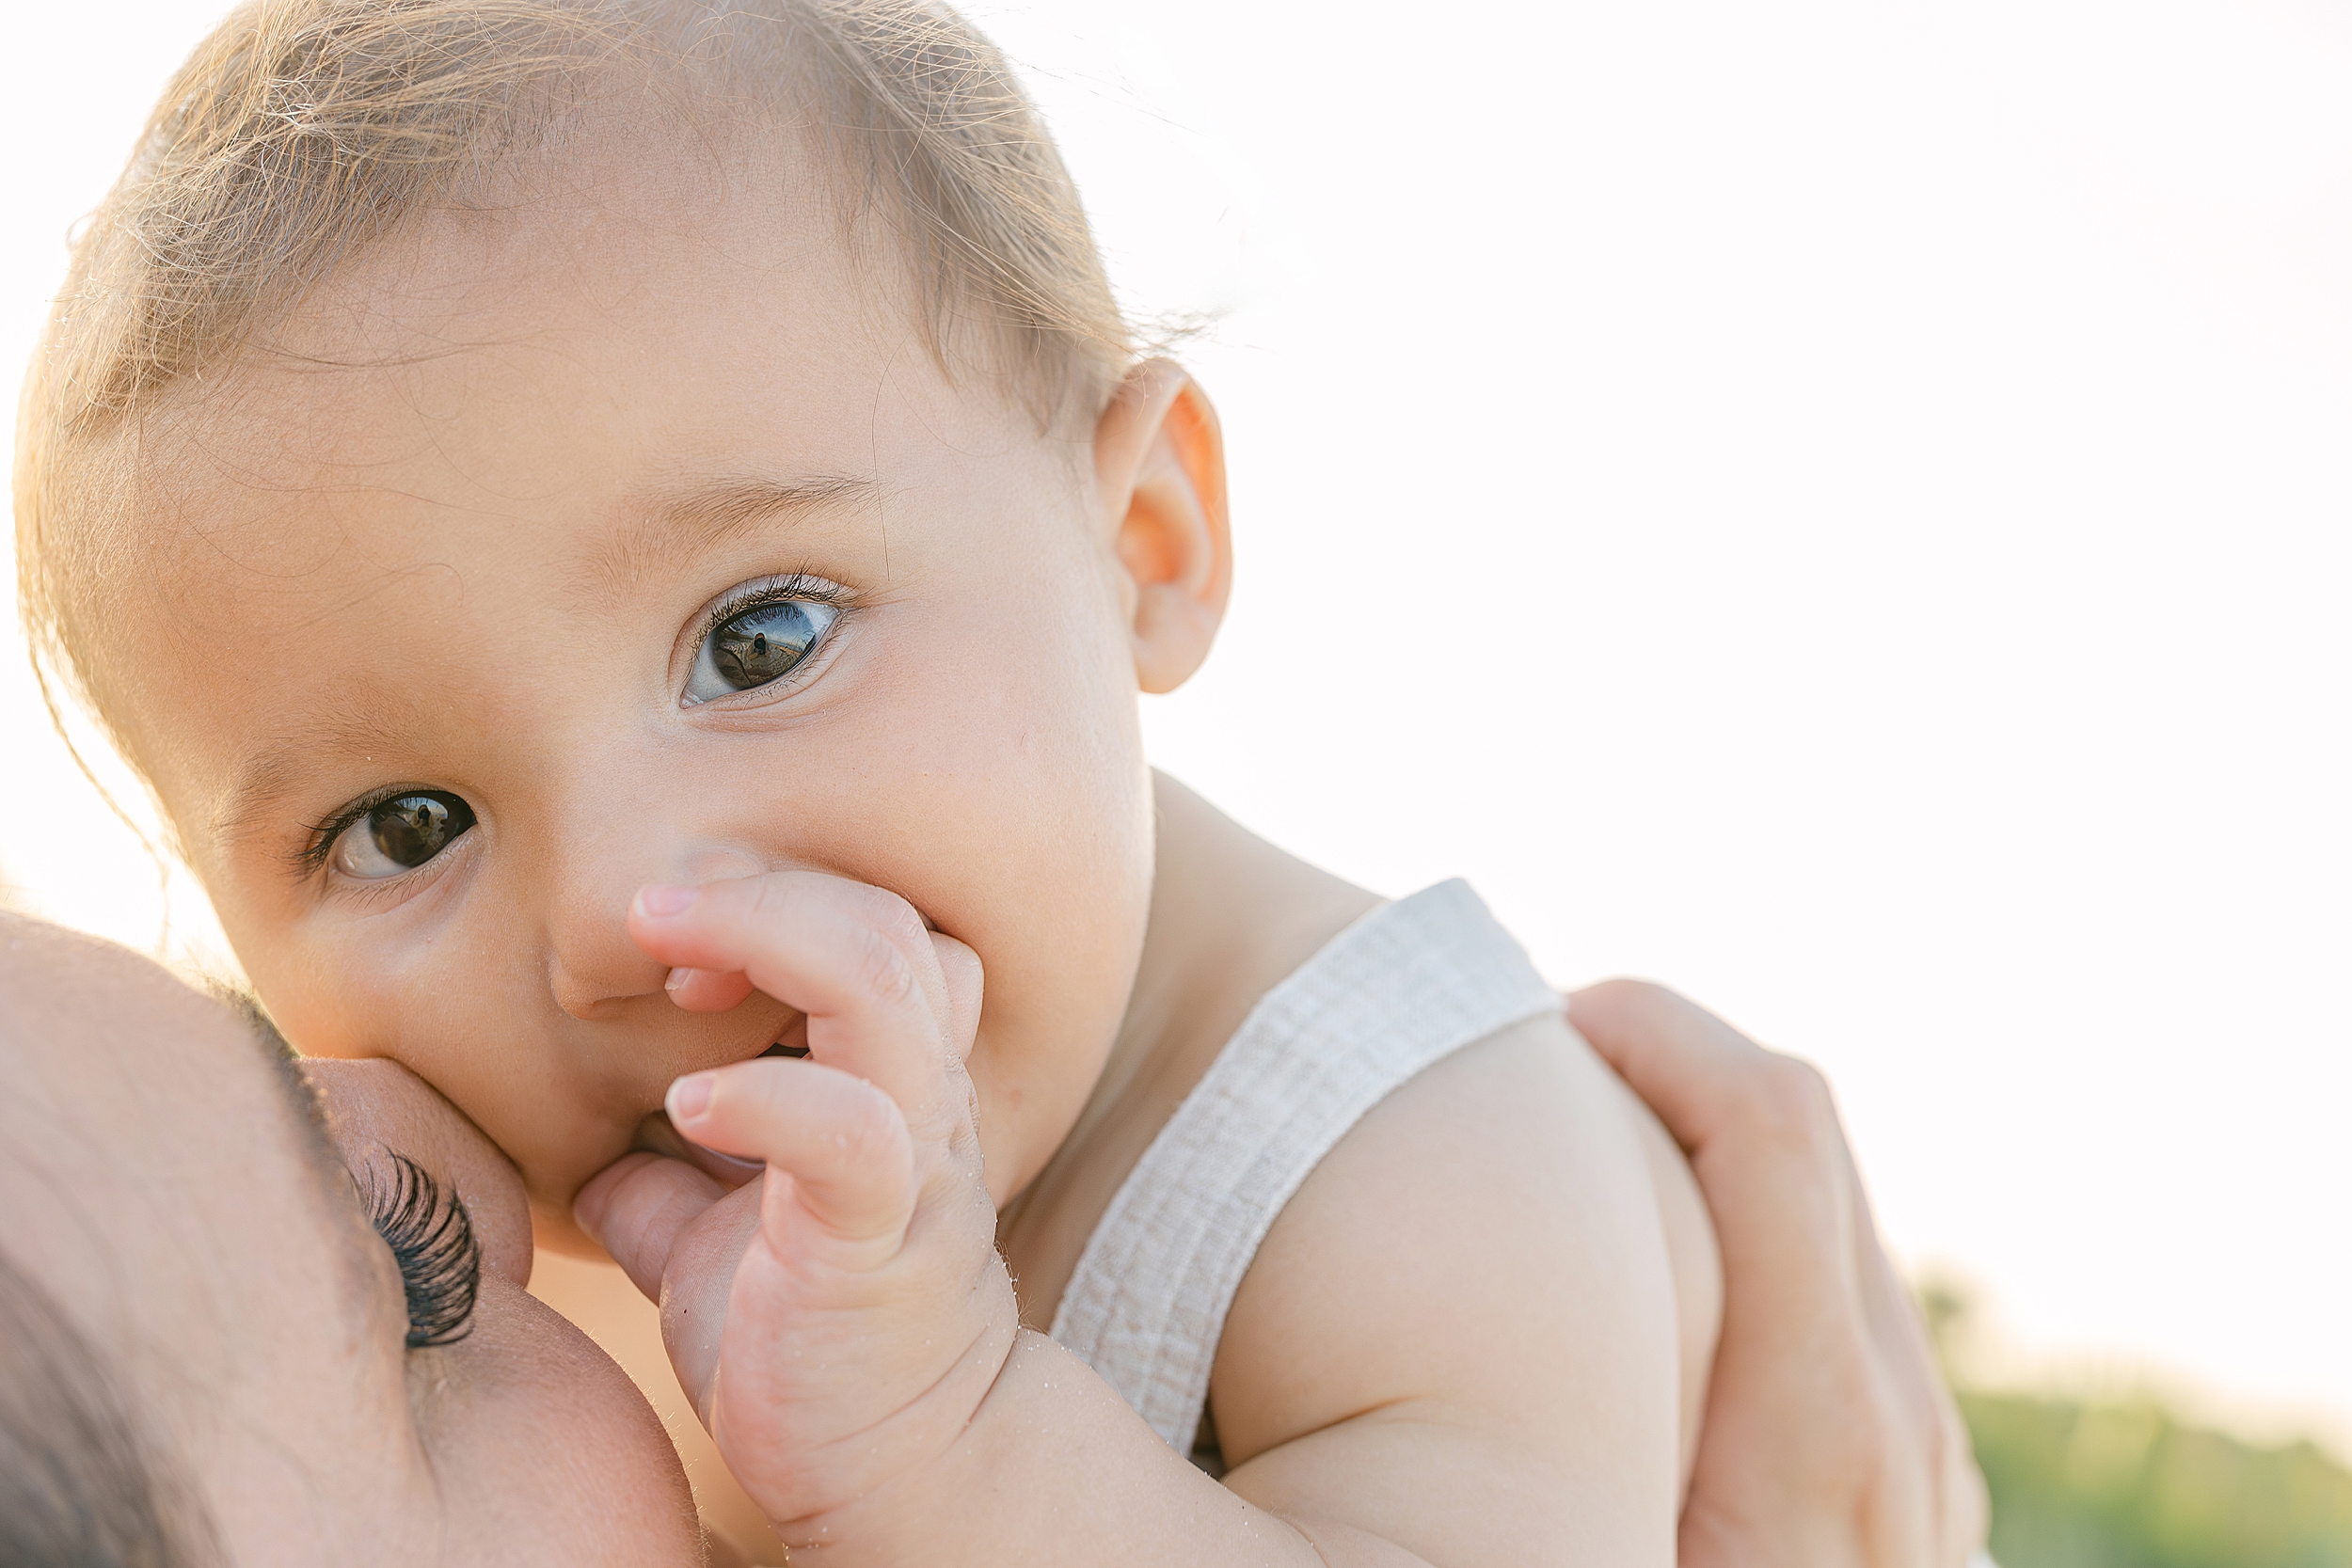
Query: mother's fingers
(1950, 1487)
(1694, 1071)
(856, 959)
(1829, 1437)
(1761, 1129)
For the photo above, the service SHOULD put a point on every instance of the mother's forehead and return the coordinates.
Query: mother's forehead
(137, 1101)
(83, 1019)
(165, 1172)
(128, 1087)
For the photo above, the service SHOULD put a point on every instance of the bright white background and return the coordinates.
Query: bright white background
(1842, 506)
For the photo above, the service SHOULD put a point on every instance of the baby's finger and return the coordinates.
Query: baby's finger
(636, 1207)
(701, 990)
(698, 1284)
(856, 959)
(960, 972)
(842, 1141)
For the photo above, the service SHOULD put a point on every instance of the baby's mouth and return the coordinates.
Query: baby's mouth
(655, 1135)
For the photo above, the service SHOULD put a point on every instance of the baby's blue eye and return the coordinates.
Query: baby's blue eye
(400, 835)
(758, 645)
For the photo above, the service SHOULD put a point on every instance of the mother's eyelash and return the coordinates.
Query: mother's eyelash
(433, 1240)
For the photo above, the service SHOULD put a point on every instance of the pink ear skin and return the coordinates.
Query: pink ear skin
(1159, 466)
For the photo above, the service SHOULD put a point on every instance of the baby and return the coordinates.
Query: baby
(624, 539)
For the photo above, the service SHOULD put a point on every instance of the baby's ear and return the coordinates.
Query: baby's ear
(1159, 468)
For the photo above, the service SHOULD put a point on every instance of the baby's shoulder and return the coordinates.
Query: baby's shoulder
(1485, 1238)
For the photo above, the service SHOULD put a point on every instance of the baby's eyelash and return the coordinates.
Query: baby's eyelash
(433, 1240)
(318, 839)
(798, 586)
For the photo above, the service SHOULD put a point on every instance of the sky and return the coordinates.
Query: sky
(1843, 508)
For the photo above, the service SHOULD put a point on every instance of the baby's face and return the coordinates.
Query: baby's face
(630, 540)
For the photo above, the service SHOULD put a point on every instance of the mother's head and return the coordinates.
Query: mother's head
(233, 1330)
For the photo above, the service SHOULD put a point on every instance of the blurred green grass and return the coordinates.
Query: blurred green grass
(2084, 1482)
(2082, 1485)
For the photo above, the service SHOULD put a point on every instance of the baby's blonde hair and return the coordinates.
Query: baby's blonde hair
(303, 133)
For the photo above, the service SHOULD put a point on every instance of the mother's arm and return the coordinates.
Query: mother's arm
(1830, 1440)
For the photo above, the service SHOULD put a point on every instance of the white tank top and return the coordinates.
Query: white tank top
(1409, 983)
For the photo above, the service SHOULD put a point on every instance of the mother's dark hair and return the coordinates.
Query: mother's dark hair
(82, 1485)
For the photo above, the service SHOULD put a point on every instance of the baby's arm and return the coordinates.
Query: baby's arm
(1458, 1346)
(1461, 1333)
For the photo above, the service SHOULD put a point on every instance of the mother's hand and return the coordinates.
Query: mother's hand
(1830, 1440)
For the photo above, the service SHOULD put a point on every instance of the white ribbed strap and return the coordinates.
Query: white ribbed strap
(1409, 983)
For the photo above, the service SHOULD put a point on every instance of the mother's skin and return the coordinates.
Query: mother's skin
(166, 1182)
(1830, 1441)
(172, 1197)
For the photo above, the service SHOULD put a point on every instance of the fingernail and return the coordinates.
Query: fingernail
(678, 977)
(689, 1097)
(662, 902)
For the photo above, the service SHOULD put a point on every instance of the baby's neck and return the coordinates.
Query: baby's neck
(1231, 915)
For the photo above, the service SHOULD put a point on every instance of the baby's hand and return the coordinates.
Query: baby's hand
(837, 1322)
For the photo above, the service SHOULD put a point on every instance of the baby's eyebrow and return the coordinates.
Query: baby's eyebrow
(266, 779)
(655, 531)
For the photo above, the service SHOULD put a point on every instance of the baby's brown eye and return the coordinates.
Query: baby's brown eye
(757, 646)
(401, 834)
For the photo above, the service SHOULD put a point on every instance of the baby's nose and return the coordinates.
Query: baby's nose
(594, 965)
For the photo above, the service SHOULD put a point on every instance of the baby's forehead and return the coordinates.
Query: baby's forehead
(647, 235)
(644, 315)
